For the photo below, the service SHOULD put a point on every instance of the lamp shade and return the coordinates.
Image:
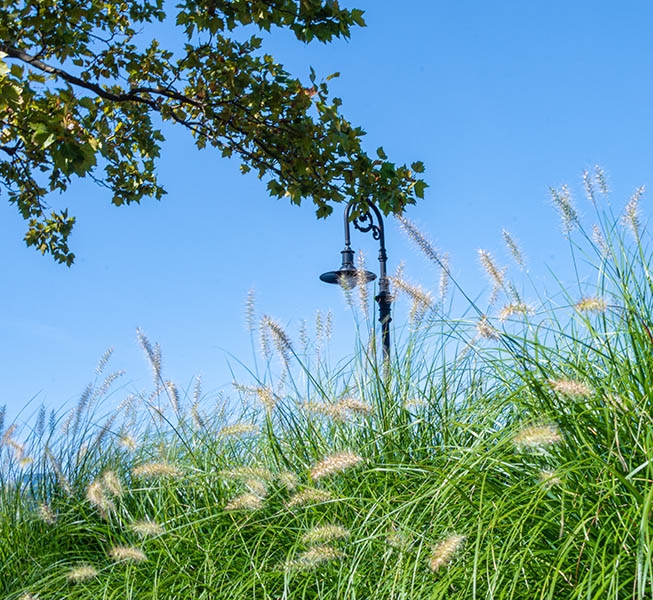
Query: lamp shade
(347, 278)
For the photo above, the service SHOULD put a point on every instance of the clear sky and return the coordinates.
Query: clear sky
(500, 100)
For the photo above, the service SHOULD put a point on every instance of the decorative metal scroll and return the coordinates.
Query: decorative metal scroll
(365, 223)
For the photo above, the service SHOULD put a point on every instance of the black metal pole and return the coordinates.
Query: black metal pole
(365, 223)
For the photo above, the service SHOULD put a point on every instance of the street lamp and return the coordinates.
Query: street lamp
(347, 276)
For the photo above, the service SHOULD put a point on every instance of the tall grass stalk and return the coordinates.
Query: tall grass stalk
(508, 455)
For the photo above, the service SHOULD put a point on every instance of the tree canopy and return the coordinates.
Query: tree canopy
(85, 90)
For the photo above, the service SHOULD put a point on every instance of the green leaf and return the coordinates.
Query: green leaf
(419, 188)
(381, 153)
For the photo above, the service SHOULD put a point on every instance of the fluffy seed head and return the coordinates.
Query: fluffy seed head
(288, 480)
(146, 528)
(155, 470)
(601, 179)
(153, 354)
(563, 202)
(355, 406)
(173, 395)
(250, 312)
(445, 276)
(99, 498)
(316, 556)
(415, 403)
(549, 478)
(444, 552)
(111, 483)
(267, 397)
(513, 309)
(280, 338)
(256, 486)
(127, 554)
(486, 330)
(81, 573)
(420, 240)
(361, 282)
(341, 411)
(308, 497)
(247, 501)
(513, 248)
(325, 533)
(599, 240)
(398, 540)
(537, 436)
(569, 387)
(597, 305)
(238, 429)
(421, 299)
(631, 212)
(589, 186)
(495, 274)
(336, 463)
(128, 442)
(46, 514)
(247, 473)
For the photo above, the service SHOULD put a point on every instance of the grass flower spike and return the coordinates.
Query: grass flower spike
(591, 304)
(146, 528)
(127, 554)
(325, 533)
(537, 436)
(445, 551)
(569, 387)
(309, 497)
(155, 470)
(336, 463)
(248, 501)
(81, 573)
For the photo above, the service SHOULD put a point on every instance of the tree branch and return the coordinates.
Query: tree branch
(133, 95)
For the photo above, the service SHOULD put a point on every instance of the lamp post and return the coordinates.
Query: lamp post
(347, 276)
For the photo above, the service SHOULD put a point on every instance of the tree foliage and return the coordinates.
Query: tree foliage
(84, 92)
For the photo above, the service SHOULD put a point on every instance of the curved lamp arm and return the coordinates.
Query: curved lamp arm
(346, 275)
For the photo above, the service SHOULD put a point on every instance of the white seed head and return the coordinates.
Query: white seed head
(288, 480)
(336, 463)
(247, 501)
(99, 498)
(537, 436)
(111, 483)
(155, 470)
(486, 329)
(513, 248)
(238, 429)
(316, 556)
(444, 552)
(563, 202)
(127, 554)
(81, 573)
(309, 497)
(146, 528)
(46, 514)
(569, 387)
(589, 304)
(325, 533)
(549, 478)
(515, 309)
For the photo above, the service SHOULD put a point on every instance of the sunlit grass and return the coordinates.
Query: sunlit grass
(507, 455)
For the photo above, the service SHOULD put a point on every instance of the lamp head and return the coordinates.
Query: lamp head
(347, 275)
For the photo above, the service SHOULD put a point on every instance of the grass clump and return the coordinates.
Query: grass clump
(505, 455)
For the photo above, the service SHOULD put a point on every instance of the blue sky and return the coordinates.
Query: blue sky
(499, 100)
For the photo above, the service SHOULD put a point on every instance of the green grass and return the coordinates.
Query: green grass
(498, 459)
